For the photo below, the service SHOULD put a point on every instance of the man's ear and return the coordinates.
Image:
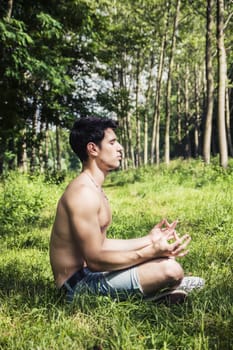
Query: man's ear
(92, 149)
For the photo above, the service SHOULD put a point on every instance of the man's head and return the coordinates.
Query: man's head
(89, 130)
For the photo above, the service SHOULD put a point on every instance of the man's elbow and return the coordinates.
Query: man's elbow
(93, 265)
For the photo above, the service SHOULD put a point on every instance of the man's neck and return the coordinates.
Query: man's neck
(95, 174)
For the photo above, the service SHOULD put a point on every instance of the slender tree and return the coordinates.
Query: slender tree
(210, 82)
(146, 111)
(46, 145)
(178, 102)
(138, 121)
(197, 111)
(187, 113)
(169, 85)
(155, 149)
(22, 152)
(228, 124)
(222, 73)
(34, 140)
(58, 148)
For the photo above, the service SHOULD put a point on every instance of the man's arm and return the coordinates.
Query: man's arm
(126, 244)
(83, 208)
(138, 243)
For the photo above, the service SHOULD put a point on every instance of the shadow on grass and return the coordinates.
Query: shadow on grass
(27, 287)
(28, 295)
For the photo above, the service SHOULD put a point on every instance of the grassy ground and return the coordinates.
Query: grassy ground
(33, 314)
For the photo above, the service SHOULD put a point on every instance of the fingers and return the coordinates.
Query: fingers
(172, 234)
(180, 245)
(168, 226)
(173, 225)
(182, 254)
(176, 235)
(161, 223)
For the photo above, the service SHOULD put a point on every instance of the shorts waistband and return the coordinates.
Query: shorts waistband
(73, 280)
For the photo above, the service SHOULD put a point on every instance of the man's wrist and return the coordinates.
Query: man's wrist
(150, 238)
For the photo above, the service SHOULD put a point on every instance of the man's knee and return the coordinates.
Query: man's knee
(173, 272)
(161, 273)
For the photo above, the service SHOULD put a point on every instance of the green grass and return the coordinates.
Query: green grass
(33, 315)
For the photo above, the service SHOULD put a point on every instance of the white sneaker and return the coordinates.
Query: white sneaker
(174, 296)
(189, 283)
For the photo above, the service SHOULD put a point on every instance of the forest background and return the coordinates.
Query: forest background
(162, 68)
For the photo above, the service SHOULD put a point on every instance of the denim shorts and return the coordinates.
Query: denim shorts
(119, 284)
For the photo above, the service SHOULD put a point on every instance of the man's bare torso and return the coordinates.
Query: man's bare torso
(65, 255)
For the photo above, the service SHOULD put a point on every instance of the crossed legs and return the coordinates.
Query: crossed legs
(158, 274)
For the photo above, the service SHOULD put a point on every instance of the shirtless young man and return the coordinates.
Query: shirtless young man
(83, 259)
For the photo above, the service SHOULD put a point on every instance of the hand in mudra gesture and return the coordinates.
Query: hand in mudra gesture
(166, 241)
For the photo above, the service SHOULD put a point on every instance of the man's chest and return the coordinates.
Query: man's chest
(105, 214)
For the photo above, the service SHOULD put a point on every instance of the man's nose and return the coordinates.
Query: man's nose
(120, 147)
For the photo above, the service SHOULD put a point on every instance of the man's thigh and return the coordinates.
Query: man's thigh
(117, 284)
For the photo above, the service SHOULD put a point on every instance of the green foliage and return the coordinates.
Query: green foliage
(22, 199)
(52, 28)
(68, 59)
(33, 314)
(14, 37)
(55, 177)
(196, 174)
(40, 54)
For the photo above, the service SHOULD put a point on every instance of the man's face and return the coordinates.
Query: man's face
(109, 152)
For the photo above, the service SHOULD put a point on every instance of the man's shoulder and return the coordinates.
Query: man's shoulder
(79, 190)
(80, 194)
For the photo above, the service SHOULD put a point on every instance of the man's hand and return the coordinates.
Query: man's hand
(166, 241)
(162, 227)
(177, 248)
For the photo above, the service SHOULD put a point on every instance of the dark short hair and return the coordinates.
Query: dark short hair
(88, 129)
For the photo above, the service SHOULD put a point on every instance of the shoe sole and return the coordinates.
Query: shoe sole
(175, 296)
(191, 283)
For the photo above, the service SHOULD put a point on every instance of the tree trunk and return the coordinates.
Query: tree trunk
(210, 83)
(58, 148)
(46, 140)
(145, 158)
(40, 147)
(156, 127)
(228, 124)
(179, 128)
(130, 135)
(156, 114)
(187, 115)
(33, 142)
(22, 161)
(9, 9)
(222, 73)
(138, 122)
(52, 152)
(124, 114)
(125, 144)
(157, 98)
(123, 139)
(148, 95)
(197, 112)
(169, 85)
